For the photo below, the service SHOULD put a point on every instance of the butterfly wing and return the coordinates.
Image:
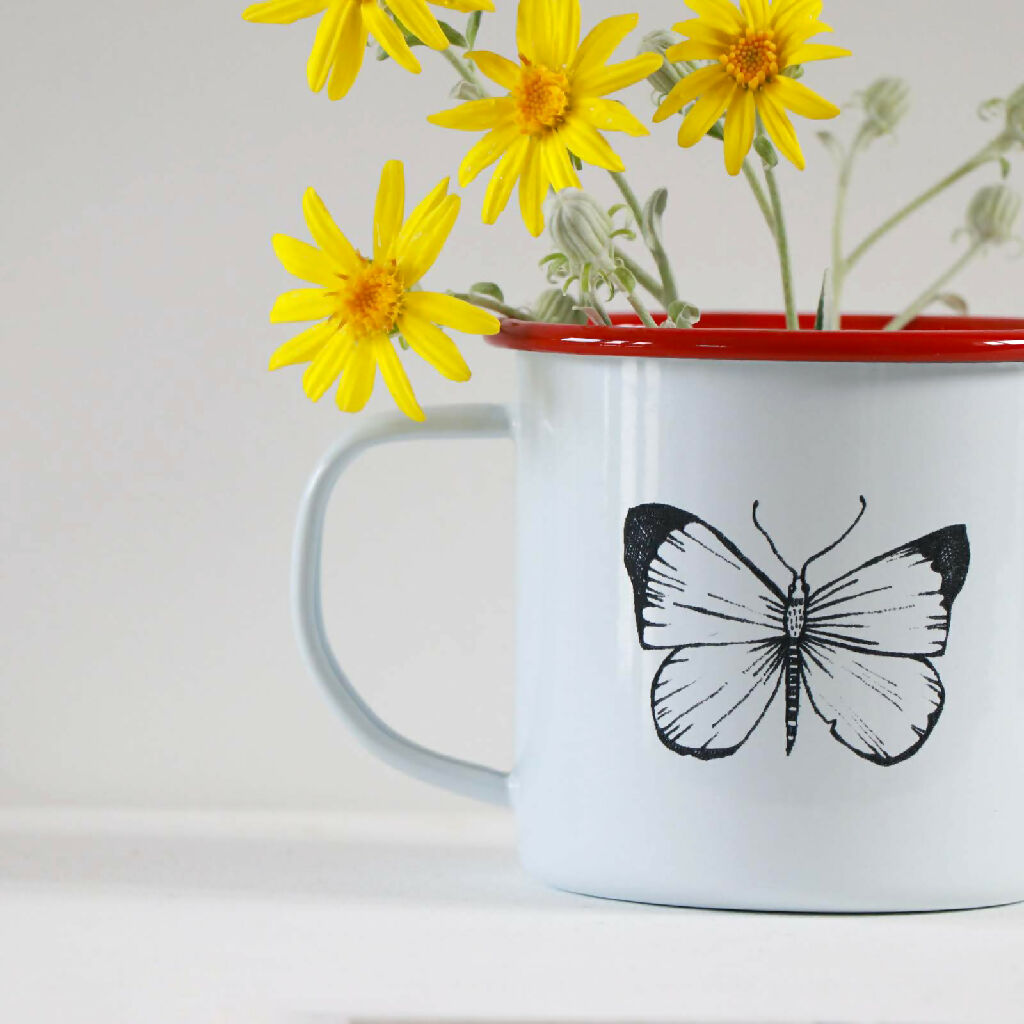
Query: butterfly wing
(881, 707)
(867, 639)
(898, 603)
(708, 700)
(692, 586)
(696, 593)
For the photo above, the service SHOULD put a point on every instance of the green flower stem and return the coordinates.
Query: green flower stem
(669, 291)
(645, 280)
(839, 266)
(782, 243)
(982, 157)
(762, 200)
(928, 296)
(464, 68)
(640, 309)
(486, 302)
(593, 302)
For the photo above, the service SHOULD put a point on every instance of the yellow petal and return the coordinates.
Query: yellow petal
(694, 49)
(415, 221)
(326, 234)
(475, 116)
(688, 90)
(302, 304)
(706, 111)
(498, 69)
(548, 31)
(815, 51)
(304, 261)
(589, 145)
(780, 128)
(559, 168)
(505, 176)
(601, 42)
(419, 251)
(330, 361)
(357, 381)
(433, 345)
(283, 12)
(564, 18)
(326, 41)
(613, 77)
(416, 17)
(486, 151)
(533, 190)
(718, 14)
(303, 347)
(610, 116)
(348, 54)
(699, 31)
(755, 12)
(451, 312)
(390, 209)
(739, 130)
(390, 37)
(396, 379)
(801, 100)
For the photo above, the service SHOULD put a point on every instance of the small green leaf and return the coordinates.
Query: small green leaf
(382, 54)
(1005, 166)
(833, 145)
(576, 161)
(488, 288)
(653, 212)
(682, 314)
(794, 71)
(766, 151)
(625, 279)
(453, 35)
(717, 131)
(472, 28)
(956, 303)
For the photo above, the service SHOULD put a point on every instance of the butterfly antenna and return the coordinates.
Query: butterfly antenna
(833, 546)
(771, 543)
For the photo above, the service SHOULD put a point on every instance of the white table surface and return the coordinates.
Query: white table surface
(147, 918)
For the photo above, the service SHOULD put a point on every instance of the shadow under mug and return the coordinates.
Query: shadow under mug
(770, 622)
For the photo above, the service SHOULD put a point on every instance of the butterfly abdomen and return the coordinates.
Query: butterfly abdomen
(796, 607)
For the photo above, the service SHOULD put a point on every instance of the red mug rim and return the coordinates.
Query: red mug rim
(763, 337)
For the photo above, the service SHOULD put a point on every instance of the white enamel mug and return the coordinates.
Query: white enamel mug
(814, 703)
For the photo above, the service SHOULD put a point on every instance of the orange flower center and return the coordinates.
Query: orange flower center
(370, 300)
(541, 97)
(753, 59)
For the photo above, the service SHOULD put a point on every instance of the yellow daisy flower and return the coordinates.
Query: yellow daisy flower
(751, 48)
(368, 301)
(341, 37)
(555, 106)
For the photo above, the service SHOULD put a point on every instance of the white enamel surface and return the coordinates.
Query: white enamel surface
(603, 807)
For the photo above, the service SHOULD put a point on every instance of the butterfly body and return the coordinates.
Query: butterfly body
(858, 648)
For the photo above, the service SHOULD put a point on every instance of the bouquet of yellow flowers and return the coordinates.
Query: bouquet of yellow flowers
(543, 116)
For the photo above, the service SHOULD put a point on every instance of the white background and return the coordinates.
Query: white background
(151, 465)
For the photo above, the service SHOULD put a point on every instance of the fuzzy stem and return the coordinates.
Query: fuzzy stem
(782, 243)
(645, 280)
(670, 294)
(839, 266)
(486, 302)
(762, 200)
(925, 299)
(982, 157)
(464, 68)
(640, 309)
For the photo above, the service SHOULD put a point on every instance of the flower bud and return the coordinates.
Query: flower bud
(665, 78)
(582, 230)
(555, 307)
(885, 104)
(993, 214)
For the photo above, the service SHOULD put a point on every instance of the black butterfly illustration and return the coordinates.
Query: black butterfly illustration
(859, 647)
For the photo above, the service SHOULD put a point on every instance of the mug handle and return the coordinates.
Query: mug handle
(460, 421)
